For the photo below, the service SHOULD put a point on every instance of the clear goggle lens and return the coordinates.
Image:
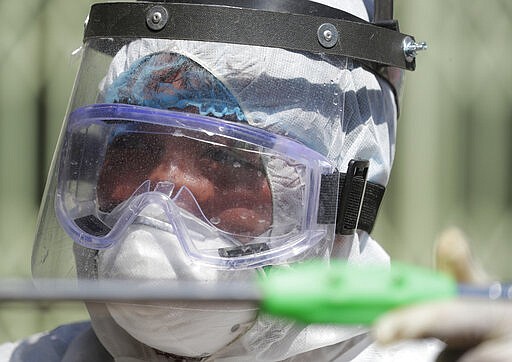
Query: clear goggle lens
(183, 173)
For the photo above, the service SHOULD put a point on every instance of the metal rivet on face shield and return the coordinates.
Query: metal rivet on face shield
(157, 17)
(410, 47)
(327, 35)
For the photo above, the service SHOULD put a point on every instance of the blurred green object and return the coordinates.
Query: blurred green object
(349, 294)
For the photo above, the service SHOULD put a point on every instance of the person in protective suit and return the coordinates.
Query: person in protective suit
(210, 141)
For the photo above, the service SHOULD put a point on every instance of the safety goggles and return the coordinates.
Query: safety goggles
(233, 195)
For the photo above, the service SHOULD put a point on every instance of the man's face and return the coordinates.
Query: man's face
(228, 183)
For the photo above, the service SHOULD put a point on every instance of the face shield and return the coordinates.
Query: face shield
(198, 147)
(213, 135)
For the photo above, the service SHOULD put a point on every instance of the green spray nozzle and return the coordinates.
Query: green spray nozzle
(349, 294)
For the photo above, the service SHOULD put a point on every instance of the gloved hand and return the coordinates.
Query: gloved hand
(473, 330)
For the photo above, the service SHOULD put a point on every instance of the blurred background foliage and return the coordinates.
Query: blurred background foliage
(453, 152)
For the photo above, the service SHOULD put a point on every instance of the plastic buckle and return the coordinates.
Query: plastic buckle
(352, 196)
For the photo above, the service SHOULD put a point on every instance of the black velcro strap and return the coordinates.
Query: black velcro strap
(357, 203)
(371, 204)
(328, 199)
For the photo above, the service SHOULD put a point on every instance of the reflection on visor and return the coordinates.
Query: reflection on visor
(223, 190)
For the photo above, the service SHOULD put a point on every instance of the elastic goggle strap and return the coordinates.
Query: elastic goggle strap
(357, 203)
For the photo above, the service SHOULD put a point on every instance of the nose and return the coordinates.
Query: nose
(242, 207)
(182, 170)
(165, 187)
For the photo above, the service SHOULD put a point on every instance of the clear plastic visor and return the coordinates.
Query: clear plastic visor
(217, 186)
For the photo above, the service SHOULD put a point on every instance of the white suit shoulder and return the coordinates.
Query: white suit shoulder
(63, 344)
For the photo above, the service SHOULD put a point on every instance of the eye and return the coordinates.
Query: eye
(225, 156)
(219, 155)
(234, 158)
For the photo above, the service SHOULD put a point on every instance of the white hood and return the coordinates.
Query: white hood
(335, 107)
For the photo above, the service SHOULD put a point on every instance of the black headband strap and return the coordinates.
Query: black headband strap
(213, 23)
(383, 10)
(304, 7)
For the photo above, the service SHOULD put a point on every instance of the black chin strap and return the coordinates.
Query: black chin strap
(357, 202)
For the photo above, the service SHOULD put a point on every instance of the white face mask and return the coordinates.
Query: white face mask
(184, 329)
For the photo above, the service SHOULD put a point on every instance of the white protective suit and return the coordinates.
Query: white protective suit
(367, 113)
